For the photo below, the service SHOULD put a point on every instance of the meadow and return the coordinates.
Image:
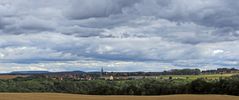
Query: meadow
(193, 77)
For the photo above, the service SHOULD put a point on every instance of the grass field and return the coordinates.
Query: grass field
(185, 77)
(11, 76)
(57, 96)
(192, 77)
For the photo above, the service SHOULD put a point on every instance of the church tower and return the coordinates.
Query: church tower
(102, 72)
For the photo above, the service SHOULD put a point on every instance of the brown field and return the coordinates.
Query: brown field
(58, 96)
(11, 76)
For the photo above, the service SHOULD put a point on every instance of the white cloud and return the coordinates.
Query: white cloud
(47, 48)
(215, 52)
(130, 34)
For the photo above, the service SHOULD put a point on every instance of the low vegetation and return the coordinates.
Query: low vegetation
(228, 85)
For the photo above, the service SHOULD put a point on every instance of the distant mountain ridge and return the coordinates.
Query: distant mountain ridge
(41, 72)
(29, 72)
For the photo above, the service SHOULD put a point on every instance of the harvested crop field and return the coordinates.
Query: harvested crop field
(11, 76)
(58, 96)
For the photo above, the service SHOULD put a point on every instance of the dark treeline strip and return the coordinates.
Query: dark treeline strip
(228, 86)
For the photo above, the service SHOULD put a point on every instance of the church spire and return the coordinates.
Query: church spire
(102, 71)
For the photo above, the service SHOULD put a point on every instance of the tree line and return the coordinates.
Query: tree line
(228, 86)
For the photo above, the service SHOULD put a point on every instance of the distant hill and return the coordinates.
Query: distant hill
(29, 72)
(42, 72)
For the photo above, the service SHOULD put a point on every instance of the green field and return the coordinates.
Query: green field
(182, 77)
(193, 77)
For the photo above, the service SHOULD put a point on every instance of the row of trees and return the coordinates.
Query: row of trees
(130, 87)
(182, 72)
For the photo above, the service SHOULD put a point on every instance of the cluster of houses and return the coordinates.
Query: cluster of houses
(94, 76)
(67, 75)
(123, 75)
(127, 77)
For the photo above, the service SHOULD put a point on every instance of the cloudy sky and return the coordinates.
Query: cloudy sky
(119, 35)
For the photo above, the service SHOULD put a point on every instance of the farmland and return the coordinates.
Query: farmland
(11, 76)
(58, 96)
(183, 77)
(224, 83)
(193, 77)
(189, 77)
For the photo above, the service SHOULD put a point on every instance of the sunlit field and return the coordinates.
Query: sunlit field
(193, 77)
(189, 77)
(11, 76)
(57, 96)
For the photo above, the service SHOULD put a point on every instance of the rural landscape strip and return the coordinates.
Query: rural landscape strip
(180, 81)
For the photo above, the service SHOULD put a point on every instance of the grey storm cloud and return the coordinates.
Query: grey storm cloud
(120, 34)
(213, 19)
(30, 17)
(82, 9)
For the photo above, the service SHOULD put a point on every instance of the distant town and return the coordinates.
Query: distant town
(174, 81)
(104, 75)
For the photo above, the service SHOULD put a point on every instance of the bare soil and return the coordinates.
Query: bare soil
(59, 96)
